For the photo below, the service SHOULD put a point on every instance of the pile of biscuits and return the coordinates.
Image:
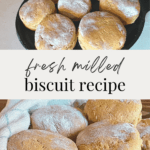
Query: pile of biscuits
(100, 125)
(99, 30)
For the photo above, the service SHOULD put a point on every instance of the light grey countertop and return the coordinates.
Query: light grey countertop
(8, 36)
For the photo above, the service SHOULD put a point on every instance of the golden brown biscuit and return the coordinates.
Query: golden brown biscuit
(39, 140)
(34, 11)
(127, 10)
(62, 119)
(144, 129)
(74, 9)
(55, 32)
(114, 111)
(101, 31)
(103, 136)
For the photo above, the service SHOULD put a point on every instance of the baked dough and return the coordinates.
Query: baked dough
(101, 31)
(55, 32)
(74, 9)
(103, 136)
(34, 11)
(62, 119)
(127, 10)
(114, 111)
(39, 140)
(144, 129)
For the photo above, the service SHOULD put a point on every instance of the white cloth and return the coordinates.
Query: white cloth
(15, 117)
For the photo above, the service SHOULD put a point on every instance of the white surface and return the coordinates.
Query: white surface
(8, 11)
(9, 39)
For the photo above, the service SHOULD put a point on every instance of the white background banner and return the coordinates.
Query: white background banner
(74, 74)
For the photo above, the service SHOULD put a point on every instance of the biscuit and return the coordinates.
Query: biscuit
(101, 31)
(39, 140)
(127, 10)
(114, 111)
(62, 119)
(103, 136)
(74, 9)
(55, 32)
(34, 11)
(144, 129)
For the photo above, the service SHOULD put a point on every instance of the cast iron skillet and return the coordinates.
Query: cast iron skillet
(134, 31)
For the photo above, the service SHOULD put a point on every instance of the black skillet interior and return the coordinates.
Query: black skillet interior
(26, 36)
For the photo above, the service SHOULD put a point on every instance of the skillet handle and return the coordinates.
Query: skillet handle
(143, 43)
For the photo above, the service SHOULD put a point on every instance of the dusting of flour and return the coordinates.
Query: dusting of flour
(61, 144)
(77, 6)
(128, 10)
(55, 34)
(60, 119)
(137, 101)
(101, 130)
(26, 13)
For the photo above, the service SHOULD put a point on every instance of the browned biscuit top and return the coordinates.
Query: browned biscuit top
(144, 129)
(34, 11)
(40, 140)
(127, 10)
(102, 135)
(74, 9)
(55, 32)
(102, 30)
